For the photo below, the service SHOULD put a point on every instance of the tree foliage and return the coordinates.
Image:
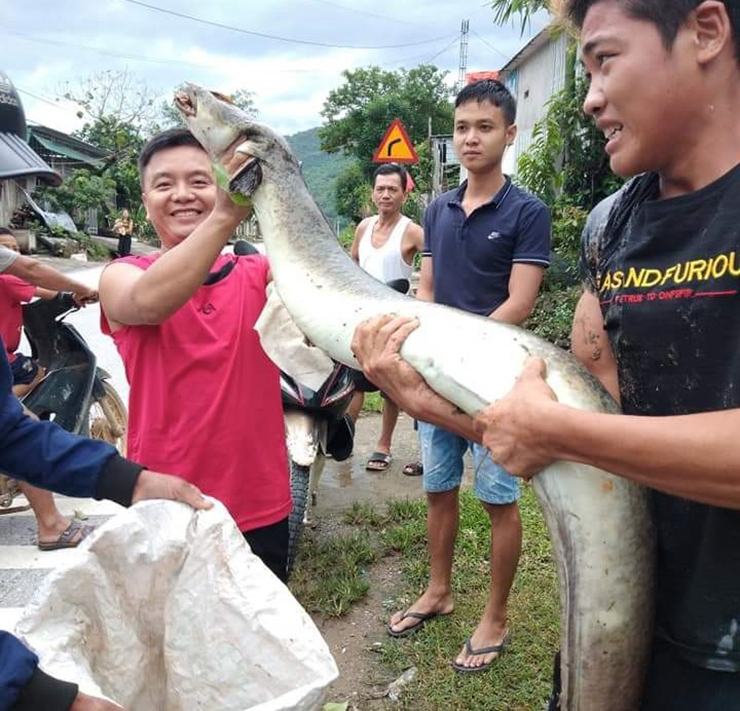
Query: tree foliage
(80, 192)
(567, 167)
(506, 10)
(358, 113)
(117, 94)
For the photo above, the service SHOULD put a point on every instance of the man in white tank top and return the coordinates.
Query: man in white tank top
(385, 246)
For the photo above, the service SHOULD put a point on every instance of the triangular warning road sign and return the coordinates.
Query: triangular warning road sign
(396, 146)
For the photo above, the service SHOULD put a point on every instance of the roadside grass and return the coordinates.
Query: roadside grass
(330, 576)
(520, 680)
(373, 402)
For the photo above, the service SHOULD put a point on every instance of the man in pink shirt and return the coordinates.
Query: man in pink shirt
(204, 397)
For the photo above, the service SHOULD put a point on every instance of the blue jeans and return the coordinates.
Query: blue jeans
(442, 455)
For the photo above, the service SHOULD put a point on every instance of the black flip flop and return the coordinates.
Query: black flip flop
(496, 648)
(413, 469)
(382, 459)
(422, 617)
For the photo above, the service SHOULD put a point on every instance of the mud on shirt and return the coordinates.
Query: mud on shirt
(667, 274)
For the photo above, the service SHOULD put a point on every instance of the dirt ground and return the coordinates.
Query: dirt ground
(355, 638)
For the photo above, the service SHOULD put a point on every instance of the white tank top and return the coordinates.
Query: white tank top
(385, 263)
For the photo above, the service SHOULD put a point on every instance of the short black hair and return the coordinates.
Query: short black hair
(666, 15)
(172, 138)
(6, 231)
(392, 169)
(489, 90)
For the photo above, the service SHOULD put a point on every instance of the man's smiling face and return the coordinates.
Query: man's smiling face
(179, 192)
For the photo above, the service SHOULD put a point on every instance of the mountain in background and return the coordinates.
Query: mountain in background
(320, 169)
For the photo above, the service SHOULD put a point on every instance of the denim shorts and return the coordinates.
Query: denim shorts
(442, 455)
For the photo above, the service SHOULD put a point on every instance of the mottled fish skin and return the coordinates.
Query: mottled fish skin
(599, 523)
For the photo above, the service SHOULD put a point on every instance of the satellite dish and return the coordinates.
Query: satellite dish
(12, 116)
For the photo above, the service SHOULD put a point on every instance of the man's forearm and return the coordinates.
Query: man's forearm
(692, 456)
(512, 311)
(178, 273)
(39, 274)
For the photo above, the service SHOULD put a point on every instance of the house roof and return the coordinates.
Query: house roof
(532, 47)
(59, 144)
(18, 160)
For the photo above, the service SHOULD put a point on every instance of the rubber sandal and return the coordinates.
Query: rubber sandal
(381, 459)
(496, 648)
(422, 617)
(413, 469)
(67, 537)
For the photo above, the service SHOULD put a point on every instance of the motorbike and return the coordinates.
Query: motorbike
(74, 392)
(315, 425)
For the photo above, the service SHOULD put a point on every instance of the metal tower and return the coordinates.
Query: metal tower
(464, 29)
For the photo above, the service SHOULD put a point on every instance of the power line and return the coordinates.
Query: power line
(278, 37)
(363, 12)
(442, 51)
(505, 56)
(41, 98)
(97, 50)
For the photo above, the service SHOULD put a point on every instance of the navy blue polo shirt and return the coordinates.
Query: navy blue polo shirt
(473, 255)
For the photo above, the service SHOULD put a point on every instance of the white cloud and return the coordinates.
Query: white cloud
(290, 81)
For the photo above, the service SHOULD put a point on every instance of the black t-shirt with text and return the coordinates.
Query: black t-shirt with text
(667, 274)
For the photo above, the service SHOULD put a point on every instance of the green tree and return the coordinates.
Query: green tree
(80, 192)
(122, 142)
(353, 193)
(505, 10)
(357, 114)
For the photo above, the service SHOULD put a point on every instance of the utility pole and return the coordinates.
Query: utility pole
(464, 29)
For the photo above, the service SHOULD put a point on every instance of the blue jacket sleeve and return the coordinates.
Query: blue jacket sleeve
(17, 665)
(45, 455)
(23, 686)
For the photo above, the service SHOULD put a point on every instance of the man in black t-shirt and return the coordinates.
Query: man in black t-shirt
(658, 324)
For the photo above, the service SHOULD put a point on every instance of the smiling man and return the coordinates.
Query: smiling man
(204, 397)
(657, 324)
(486, 245)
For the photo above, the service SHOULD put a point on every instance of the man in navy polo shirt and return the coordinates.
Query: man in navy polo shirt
(486, 245)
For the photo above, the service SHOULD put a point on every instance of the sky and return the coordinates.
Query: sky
(289, 54)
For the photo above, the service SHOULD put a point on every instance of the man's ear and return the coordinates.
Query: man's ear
(712, 30)
(146, 207)
(510, 134)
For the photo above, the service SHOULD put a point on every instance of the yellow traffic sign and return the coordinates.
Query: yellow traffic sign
(396, 146)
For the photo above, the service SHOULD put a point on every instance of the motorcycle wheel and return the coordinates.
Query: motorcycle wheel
(108, 419)
(300, 478)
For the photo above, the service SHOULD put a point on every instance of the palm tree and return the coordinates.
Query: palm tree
(505, 10)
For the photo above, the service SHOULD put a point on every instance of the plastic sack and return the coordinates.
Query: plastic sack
(167, 609)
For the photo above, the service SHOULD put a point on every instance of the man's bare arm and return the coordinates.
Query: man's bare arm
(39, 274)
(524, 283)
(130, 296)
(425, 291)
(354, 250)
(590, 343)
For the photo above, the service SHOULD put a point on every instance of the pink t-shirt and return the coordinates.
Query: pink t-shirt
(205, 399)
(14, 292)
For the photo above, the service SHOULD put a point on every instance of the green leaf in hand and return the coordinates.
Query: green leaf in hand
(222, 180)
